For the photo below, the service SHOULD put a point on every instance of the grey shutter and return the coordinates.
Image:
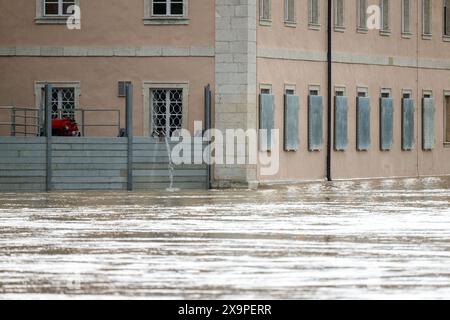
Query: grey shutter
(385, 8)
(266, 118)
(363, 124)
(315, 123)
(408, 123)
(291, 122)
(406, 16)
(386, 123)
(339, 13)
(340, 123)
(428, 124)
(426, 17)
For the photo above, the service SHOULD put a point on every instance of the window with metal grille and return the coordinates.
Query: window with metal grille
(265, 10)
(447, 18)
(385, 24)
(426, 17)
(57, 7)
(289, 11)
(362, 15)
(313, 12)
(168, 8)
(339, 14)
(406, 16)
(167, 111)
(63, 103)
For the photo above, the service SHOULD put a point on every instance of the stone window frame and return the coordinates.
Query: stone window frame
(340, 88)
(265, 21)
(41, 18)
(288, 87)
(147, 86)
(446, 96)
(406, 33)
(265, 87)
(362, 90)
(384, 91)
(385, 30)
(407, 91)
(427, 93)
(288, 22)
(150, 19)
(314, 87)
(339, 27)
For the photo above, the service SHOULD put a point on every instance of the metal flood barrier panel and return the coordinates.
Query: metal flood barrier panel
(340, 123)
(93, 164)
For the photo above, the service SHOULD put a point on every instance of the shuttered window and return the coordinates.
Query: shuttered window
(289, 11)
(385, 23)
(265, 10)
(339, 14)
(362, 15)
(313, 12)
(406, 16)
(426, 17)
(447, 18)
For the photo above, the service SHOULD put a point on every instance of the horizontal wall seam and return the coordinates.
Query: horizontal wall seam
(107, 52)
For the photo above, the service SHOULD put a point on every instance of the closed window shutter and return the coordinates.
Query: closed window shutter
(447, 18)
(362, 13)
(385, 8)
(406, 16)
(426, 17)
(339, 13)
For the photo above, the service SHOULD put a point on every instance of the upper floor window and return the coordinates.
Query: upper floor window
(166, 12)
(339, 15)
(313, 14)
(385, 18)
(446, 18)
(426, 19)
(57, 7)
(54, 11)
(362, 15)
(406, 17)
(289, 11)
(265, 10)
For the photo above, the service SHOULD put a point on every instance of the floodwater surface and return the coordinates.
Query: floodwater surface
(364, 240)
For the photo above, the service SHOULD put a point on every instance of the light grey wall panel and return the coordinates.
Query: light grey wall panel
(386, 123)
(408, 125)
(315, 123)
(363, 139)
(291, 123)
(340, 123)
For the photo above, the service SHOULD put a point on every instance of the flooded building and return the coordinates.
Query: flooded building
(358, 90)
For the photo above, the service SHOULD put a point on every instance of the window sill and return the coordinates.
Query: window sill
(313, 26)
(385, 33)
(339, 29)
(427, 36)
(166, 21)
(407, 35)
(362, 30)
(51, 20)
(447, 145)
(265, 23)
(446, 38)
(290, 24)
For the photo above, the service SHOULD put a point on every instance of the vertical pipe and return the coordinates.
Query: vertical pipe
(208, 127)
(129, 124)
(329, 89)
(48, 134)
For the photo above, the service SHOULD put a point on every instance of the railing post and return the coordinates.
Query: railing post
(129, 126)
(208, 127)
(83, 133)
(48, 134)
(13, 122)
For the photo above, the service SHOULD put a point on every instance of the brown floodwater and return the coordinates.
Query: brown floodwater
(365, 240)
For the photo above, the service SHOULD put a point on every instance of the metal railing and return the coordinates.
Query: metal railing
(29, 121)
(23, 121)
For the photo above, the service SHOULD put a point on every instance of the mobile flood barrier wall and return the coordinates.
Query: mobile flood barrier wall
(72, 163)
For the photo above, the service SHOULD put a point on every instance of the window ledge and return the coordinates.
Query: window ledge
(427, 36)
(385, 33)
(314, 26)
(407, 35)
(166, 21)
(447, 145)
(362, 30)
(339, 29)
(265, 23)
(446, 38)
(51, 20)
(290, 24)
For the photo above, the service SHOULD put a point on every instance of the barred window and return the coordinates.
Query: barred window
(63, 103)
(385, 25)
(406, 16)
(265, 10)
(339, 14)
(426, 17)
(57, 7)
(167, 111)
(362, 14)
(168, 8)
(289, 11)
(313, 12)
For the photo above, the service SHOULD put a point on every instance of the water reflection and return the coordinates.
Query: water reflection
(376, 239)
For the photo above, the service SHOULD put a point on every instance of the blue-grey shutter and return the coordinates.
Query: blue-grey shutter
(428, 124)
(291, 122)
(315, 123)
(266, 118)
(408, 123)
(363, 124)
(340, 123)
(386, 123)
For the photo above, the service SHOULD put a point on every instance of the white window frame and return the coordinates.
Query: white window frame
(42, 18)
(288, 22)
(361, 28)
(342, 89)
(152, 19)
(339, 28)
(385, 31)
(427, 36)
(147, 86)
(265, 21)
(407, 92)
(387, 91)
(314, 87)
(362, 90)
(290, 88)
(265, 87)
(427, 92)
(406, 33)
